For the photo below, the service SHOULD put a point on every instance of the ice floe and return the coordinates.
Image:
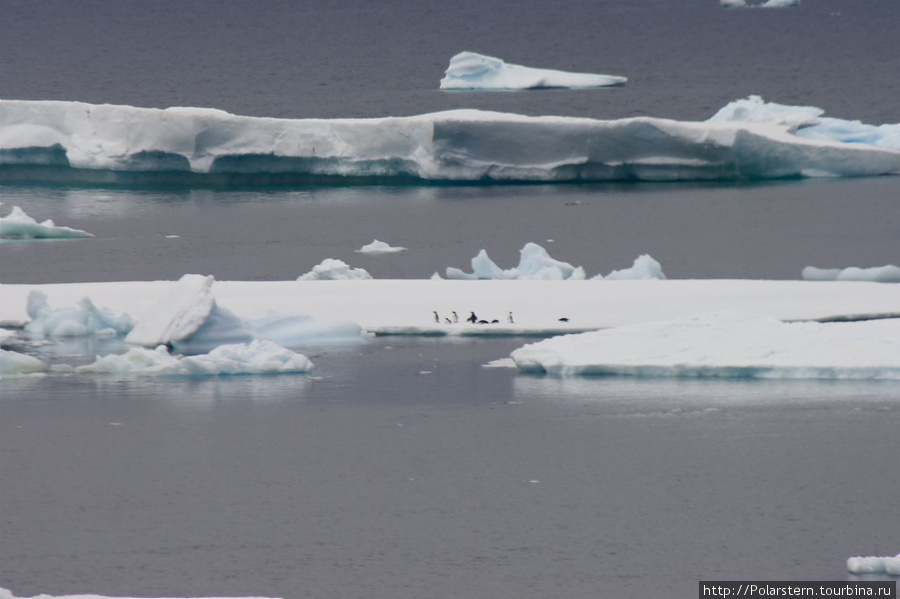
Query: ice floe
(331, 269)
(874, 565)
(297, 331)
(15, 363)
(472, 71)
(18, 225)
(729, 344)
(256, 357)
(534, 263)
(6, 594)
(644, 267)
(113, 144)
(878, 274)
(379, 247)
(80, 320)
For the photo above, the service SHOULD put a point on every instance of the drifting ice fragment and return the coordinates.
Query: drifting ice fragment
(874, 565)
(334, 270)
(12, 363)
(644, 267)
(81, 320)
(18, 225)
(534, 263)
(472, 71)
(379, 247)
(878, 274)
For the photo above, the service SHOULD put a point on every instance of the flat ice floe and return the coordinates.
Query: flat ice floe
(878, 274)
(477, 72)
(111, 144)
(732, 344)
(331, 269)
(6, 594)
(380, 247)
(18, 225)
(874, 565)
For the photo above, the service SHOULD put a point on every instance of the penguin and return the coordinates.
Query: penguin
(447, 321)
(482, 321)
(472, 318)
(564, 319)
(455, 317)
(437, 319)
(495, 321)
(509, 318)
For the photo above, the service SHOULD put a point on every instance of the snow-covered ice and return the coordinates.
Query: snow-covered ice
(18, 225)
(379, 247)
(725, 344)
(80, 320)
(472, 71)
(296, 331)
(14, 363)
(879, 274)
(534, 264)
(7, 594)
(123, 144)
(644, 267)
(331, 269)
(256, 357)
(874, 565)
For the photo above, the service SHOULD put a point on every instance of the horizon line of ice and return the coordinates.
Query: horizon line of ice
(121, 145)
(7, 594)
(477, 72)
(878, 274)
(766, 4)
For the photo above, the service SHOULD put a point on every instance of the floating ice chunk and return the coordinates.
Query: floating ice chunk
(534, 263)
(379, 247)
(334, 270)
(644, 267)
(256, 357)
(472, 71)
(731, 344)
(6, 594)
(878, 274)
(13, 363)
(189, 319)
(874, 565)
(81, 320)
(766, 4)
(18, 225)
(296, 331)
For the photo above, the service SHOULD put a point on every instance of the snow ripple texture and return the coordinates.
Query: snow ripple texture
(41, 140)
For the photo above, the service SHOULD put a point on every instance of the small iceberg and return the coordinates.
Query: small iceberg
(6, 594)
(726, 344)
(644, 268)
(874, 565)
(256, 357)
(877, 274)
(82, 320)
(14, 363)
(534, 264)
(18, 225)
(334, 270)
(472, 71)
(380, 247)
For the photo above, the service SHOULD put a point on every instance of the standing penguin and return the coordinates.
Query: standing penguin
(455, 317)
(437, 319)
(509, 318)
(472, 318)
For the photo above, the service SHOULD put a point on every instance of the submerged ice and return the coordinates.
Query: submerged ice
(473, 71)
(122, 144)
(18, 225)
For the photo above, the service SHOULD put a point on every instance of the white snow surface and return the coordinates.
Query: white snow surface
(874, 565)
(406, 306)
(878, 274)
(81, 320)
(18, 225)
(7, 594)
(14, 363)
(456, 145)
(473, 71)
(644, 267)
(300, 330)
(256, 357)
(379, 247)
(534, 264)
(331, 269)
(724, 344)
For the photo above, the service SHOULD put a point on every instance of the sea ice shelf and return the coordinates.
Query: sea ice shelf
(473, 71)
(730, 344)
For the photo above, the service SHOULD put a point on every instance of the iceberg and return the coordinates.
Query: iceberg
(14, 363)
(878, 274)
(534, 264)
(725, 344)
(83, 319)
(18, 225)
(379, 247)
(472, 71)
(6, 594)
(256, 357)
(122, 145)
(644, 267)
(334, 270)
(874, 565)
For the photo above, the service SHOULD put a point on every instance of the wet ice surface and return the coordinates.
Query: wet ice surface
(403, 468)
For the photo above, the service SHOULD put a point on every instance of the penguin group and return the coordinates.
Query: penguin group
(472, 318)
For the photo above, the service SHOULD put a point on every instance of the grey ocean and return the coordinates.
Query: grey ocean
(405, 469)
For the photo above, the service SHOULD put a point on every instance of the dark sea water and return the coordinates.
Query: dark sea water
(373, 480)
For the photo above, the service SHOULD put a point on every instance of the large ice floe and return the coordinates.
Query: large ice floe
(874, 565)
(7, 594)
(81, 320)
(72, 141)
(331, 269)
(730, 344)
(18, 225)
(878, 274)
(473, 71)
